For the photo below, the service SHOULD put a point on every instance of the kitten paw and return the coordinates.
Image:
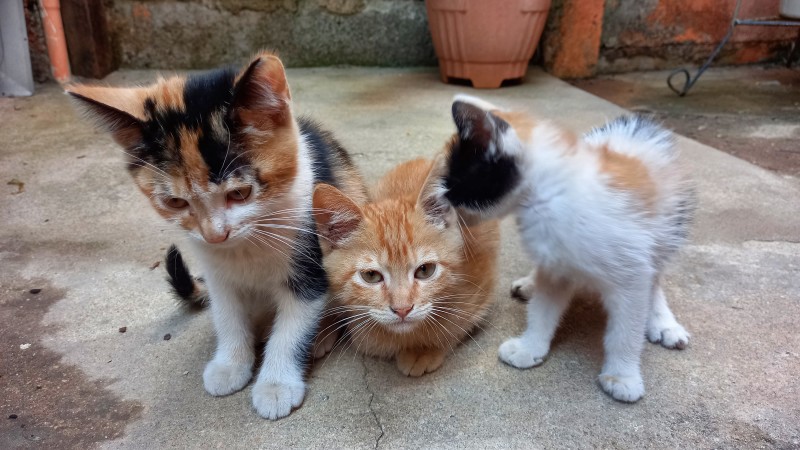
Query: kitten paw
(515, 353)
(276, 400)
(674, 337)
(223, 378)
(324, 346)
(522, 289)
(623, 388)
(417, 363)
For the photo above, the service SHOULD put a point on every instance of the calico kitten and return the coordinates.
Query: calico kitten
(409, 280)
(605, 212)
(221, 156)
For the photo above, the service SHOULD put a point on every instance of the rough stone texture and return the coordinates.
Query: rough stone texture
(195, 34)
(344, 7)
(658, 34)
(81, 230)
(636, 35)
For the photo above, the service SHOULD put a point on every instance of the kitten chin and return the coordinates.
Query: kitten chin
(416, 259)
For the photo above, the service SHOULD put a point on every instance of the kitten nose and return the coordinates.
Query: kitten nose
(402, 312)
(216, 238)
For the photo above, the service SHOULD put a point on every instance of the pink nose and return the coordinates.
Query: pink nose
(217, 238)
(402, 312)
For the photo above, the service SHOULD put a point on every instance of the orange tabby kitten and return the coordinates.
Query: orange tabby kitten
(410, 280)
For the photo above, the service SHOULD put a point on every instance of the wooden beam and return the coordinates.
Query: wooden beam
(88, 39)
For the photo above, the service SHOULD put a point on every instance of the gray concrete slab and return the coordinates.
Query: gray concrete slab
(82, 234)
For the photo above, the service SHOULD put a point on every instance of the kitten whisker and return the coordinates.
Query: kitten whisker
(267, 243)
(350, 334)
(290, 244)
(474, 319)
(344, 322)
(289, 227)
(462, 329)
(149, 165)
(443, 336)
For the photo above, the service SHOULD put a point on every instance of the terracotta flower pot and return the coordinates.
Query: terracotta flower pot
(486, 41)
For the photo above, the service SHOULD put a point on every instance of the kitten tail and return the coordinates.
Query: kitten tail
(191, 291)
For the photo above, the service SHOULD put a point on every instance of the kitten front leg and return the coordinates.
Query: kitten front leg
(548, 301)
(662, 327)
(232, 366)
(627, 308)
(418, 362)
(280, 385)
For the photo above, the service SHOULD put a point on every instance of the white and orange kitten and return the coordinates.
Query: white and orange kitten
(604, 212)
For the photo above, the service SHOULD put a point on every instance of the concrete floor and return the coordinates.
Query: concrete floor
(752, 112)
(88, 240)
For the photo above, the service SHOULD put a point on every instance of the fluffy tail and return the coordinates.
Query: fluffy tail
(190, 290)
(637, 135)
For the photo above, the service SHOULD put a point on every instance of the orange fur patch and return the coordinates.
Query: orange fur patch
(168, 94)
(394, 233)
(130, 101)
(193, 164)
(521, 122)
(276, 159)
(629, 174)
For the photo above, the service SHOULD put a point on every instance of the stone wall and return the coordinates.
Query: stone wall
(582, 37)
(205, 33)
(657, 34)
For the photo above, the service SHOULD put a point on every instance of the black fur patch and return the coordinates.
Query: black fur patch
(204, 95)
(183, 284)
(302, 353)
(308, 279)
(321, 146)
(475, 178)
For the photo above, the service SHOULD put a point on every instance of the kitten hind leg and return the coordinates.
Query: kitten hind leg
(280, 386)
(418, 362)
(232, 366)
(662, 327)
(522, 289)
(627, 308)
(547, 304)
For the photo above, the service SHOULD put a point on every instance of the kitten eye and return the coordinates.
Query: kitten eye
(425, 271)
(176, 203)
(240, 194)
(371, 276)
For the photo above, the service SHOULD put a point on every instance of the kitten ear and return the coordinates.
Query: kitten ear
(261, 93)
(118, 111)
(336, 215)
(476, 124)
(431, 201)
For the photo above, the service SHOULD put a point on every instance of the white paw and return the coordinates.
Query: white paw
(223, 378)
(522, 289)
(623, 388)
(276, 400)
(515, 352)
(674, 336)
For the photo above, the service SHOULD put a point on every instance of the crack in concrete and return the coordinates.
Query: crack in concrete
(369, 405)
